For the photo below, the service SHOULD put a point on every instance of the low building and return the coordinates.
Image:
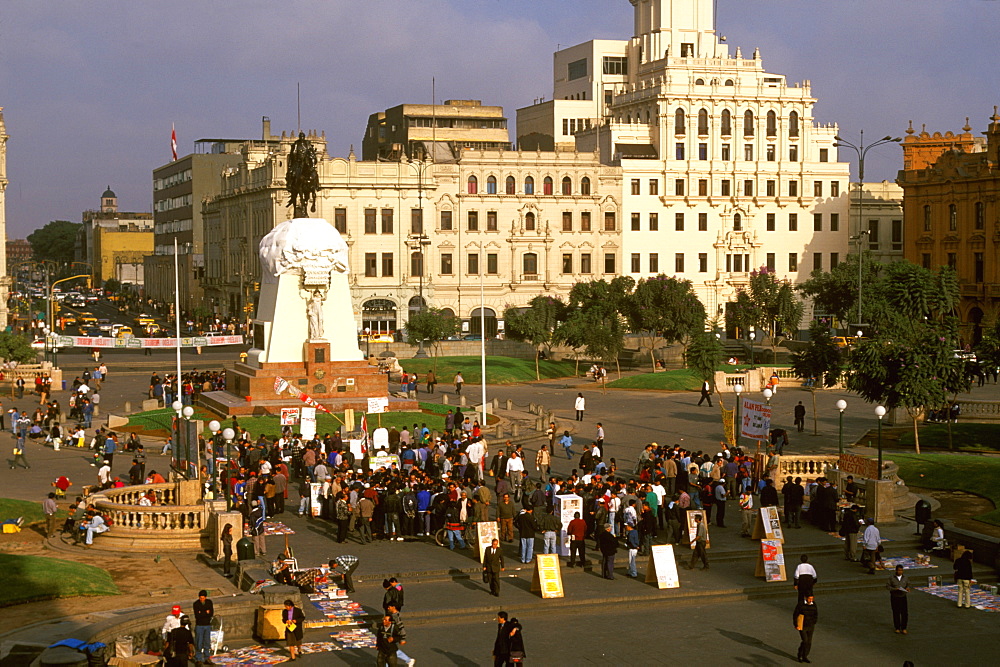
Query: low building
(113, 242)
(18, 252)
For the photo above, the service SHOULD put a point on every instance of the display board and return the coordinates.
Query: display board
(315, 502)
(693, 529)
(859, 466)
(378, 405)
(289, 416)
(662, 567)
(768, 525)
(137, 343)
(486, 532)
(308, 426)
(755, 419)
(382, 460)
(564, 507)
(547, 577)
(771, 561)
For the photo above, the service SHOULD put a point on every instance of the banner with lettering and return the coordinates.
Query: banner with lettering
(755, 421)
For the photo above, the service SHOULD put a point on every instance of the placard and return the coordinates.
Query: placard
(378, 405)
(308, 425)
(382, 460)
(771, 561)
(289, 416)
(564, 507)
(693, 528)
(768, 525)
(859, 466)
(755, 419)
(662, 567)
(547, 578)
(486, 532)
(380, 439)
(315, 502)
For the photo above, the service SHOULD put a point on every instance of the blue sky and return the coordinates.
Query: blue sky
(90, 87)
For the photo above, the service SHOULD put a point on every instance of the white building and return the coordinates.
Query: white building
(4, 278)
(724, 169)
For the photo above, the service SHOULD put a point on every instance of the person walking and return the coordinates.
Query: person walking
(493, 565)
(632, 542)
(849, 531)
(699, 543)
(459, 381)
(388, 636)
(18, 452)
(581, 405)
(805, 578)
(227, 550)
(599, 441)
(50, 508)
(706, 393)
(294, 619)
(800, 417)
(431, 380)
(871, 540)
(577, 531)
(899, 586)
(963, 577)
(180, 644)
(501, 645)
(567, 442)
(804, 619)
(515, 644)
(543, 462)
(607, 543)
(204, 612)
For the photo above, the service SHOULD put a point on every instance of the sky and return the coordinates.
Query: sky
(90, 88)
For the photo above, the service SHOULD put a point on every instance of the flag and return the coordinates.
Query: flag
(364, 428)
(173, 141)
(280, 384)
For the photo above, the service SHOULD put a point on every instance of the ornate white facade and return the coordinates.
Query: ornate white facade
(724, 169)
(4, 278)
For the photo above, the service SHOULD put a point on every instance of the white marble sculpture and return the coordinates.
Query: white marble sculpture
(304, 294)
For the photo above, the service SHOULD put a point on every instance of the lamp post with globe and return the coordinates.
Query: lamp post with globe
(841, 405)
(738, 388)
(879, 412)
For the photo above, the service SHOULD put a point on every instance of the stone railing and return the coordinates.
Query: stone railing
(979, 410)
(804, 466)
(179, 521)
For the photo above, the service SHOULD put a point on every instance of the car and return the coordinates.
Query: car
(104, 324)
(87, 319)
(93, 332)
(154, 329)
(92, 298)
(472, 337)
(124, 332)
(378, 338)
(965, 356)
(39, 344)
(143, 320)
(68, 319)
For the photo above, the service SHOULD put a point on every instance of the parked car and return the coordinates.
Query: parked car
(39, 344)
(104, 324)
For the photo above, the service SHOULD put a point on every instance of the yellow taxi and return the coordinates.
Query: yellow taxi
(144, 320)
(87, 319)
(124, 332)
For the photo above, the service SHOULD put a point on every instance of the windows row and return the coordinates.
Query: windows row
(726, 152)
(735, 262)
(528, 185)
(726, 123)
(383, 264)
(821, 222)
(978, 216)
(381, 221)
(978, 264)
(728, 188)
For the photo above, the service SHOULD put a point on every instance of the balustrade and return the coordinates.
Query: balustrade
(802, 465)
(123, 508)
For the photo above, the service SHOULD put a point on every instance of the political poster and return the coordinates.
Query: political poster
(771, 562)
(133, 342)
(755, 420)
(662, 567)
(693, 528)
(289, 416)
(486, 532)
(565, 507)
(378, 405)
(308, 425)
(547, 577)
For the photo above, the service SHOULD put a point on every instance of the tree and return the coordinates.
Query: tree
(664, 307)
(768, 304)
(595, 322)
(112, 285)
(836, 292)
(911, 363)
(821, 361)
(537, 324)
(703, 355)
(431, 326)
(15, 347)
(55, 241)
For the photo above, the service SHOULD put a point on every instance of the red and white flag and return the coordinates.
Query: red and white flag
(173, 141)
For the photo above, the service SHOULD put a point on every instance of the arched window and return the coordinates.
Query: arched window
(699, 82)
(737, 222)
(547, 186)
(378, 315)
(473, 185)
(530, 264)
(447, 312)
(416, 304)
(529, 185)
(511, 185)
(793, 124)
(679, 121)
(567, 185)
(529, 221)
(703, 122)
(491, 185)
(585, 185)
(485, 316)
(748, 123)
(952, 217)
(730, 82)
(647, 116)
(628, 119)
(727, 123)
(772, 124)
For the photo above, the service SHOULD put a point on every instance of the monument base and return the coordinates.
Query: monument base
(335, 384)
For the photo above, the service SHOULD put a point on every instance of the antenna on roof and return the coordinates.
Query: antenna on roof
(298, 105)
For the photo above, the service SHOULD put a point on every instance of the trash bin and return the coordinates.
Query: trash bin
(64, 385)
(244, 549)
(922, 513)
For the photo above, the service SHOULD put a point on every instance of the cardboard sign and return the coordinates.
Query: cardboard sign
(382, 460)
(768, 525)
(486, 532)
(547, 578)
(289, 416)
(755, 419)
(380, 439)
(564, 508)
(308, 425)
(662, 567)
(771, 561)
(315, 502)
(378, 405)
(693, 527)
(859, 466)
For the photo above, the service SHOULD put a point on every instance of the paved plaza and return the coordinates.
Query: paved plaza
(723, 616)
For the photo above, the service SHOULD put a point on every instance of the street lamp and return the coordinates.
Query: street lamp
(767, 395)
(861, 150)
(368, 342)
(228, 434)
(418, 242)
(879, 412)
(841, 405)
(752, 336)
(738, 388)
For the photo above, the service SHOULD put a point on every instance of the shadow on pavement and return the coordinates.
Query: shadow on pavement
(456, 659)
(756, 643)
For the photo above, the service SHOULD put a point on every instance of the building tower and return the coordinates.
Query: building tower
(109, 201)
(4, 278)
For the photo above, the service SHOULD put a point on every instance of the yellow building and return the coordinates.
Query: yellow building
(119, 252)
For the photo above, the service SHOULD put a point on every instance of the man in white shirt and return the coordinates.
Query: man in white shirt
(580, 404)
(104, 475)
(475, 452)
(871, 540)
(600, 438)
(515, 474)
(804, 578)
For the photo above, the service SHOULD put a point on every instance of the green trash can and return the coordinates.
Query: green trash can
(244, 549)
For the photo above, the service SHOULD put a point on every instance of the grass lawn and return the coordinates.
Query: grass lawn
(974, 437)
(963, 472)
(499, 370)
(680, 379)
(157, 422)
(30, 510)
(38, 578)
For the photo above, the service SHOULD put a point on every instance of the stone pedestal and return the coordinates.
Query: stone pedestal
(219, 521)
(879, 500)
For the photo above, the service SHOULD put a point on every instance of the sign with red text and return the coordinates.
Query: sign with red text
(755, 420)
(859, 466)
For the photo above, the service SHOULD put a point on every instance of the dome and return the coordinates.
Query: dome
(109, 194)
